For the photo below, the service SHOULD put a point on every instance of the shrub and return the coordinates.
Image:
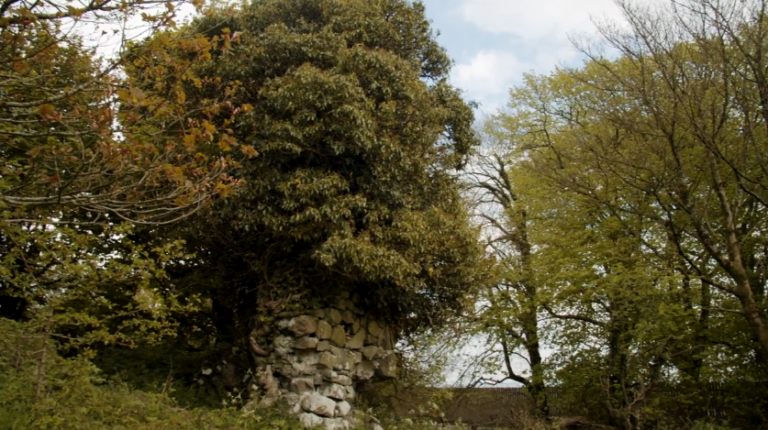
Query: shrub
(60, 393)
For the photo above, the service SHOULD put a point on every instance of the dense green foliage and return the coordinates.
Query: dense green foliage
(354, 189)
(76, 395)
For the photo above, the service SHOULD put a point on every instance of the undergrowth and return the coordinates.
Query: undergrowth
(48, 392)
(41, 390)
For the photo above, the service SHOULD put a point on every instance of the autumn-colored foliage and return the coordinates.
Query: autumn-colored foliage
(86, 154)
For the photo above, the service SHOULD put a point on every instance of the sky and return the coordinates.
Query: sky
(495, 42)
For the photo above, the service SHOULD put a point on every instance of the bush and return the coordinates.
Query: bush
(69, 394)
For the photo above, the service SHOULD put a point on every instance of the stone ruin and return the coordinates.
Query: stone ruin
(315, 361)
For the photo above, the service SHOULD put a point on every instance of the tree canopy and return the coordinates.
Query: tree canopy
(359, 136)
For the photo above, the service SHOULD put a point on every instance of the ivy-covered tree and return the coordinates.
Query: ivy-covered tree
(359, 136)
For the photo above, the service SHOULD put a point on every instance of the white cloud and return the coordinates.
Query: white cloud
(486, 71)
(539, 42)
(538, 19)
(542, 27)
(489, 74)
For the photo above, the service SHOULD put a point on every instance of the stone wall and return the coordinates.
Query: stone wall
(315, 360)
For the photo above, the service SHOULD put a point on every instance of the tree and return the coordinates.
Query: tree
(65, 145)
(575, 277)
(354, 190)
(646, 211)
(509, 310)
(85, 156)
(694, 126)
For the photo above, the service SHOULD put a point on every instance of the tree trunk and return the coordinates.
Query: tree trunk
(536, 387)
(755, 319)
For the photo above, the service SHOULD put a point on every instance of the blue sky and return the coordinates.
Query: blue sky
(494, 42)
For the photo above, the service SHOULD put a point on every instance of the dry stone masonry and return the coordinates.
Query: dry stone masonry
(315, 360)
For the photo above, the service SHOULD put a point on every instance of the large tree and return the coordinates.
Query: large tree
(683, 123)
(508, 311)
(645, 176)
(359, 137)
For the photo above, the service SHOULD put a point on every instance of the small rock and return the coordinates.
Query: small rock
(335, 424)
(365, 371)
(376, 427)
(305, 342)
(302, 385)
(371, 339)
(328, 374)
(357, 341)
(338, 336)
(388, 366)
(348, 317)
(346, 361)
(288, 369)
(327, 360)
(355, 309)
(373, 328)
(283, 345)
(370, 352)
(305, 362)
(267, 381)
(308, 357)
(333, 391)
(270, 386)
(310, 420)
(318, 378)
(302, 369)
(323, 345)
(319, 313)
(348, 305)
(292, 399)
(333, 316)
(324, 330)
(386, 339)
(302, 325)
(342, 380)
(343, 408)
(350, 393)
(319, 405)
